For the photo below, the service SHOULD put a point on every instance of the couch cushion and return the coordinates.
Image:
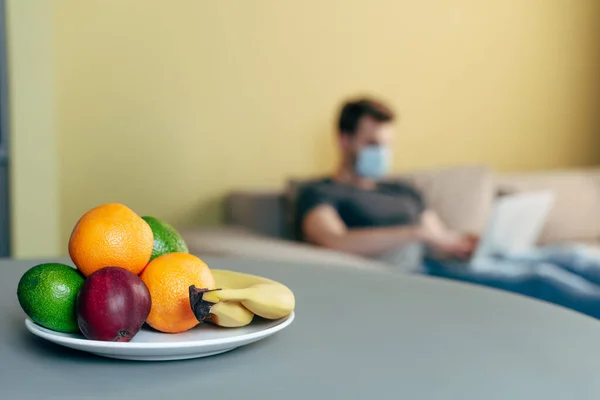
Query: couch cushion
(462, 196)
(576, 212)
(262, 212)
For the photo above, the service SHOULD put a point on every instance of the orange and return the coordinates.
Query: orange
(111, 235)
(168, 279)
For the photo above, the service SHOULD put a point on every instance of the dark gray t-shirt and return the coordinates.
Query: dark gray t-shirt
(389, 204)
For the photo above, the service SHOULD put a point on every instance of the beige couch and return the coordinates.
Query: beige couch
(258, 224)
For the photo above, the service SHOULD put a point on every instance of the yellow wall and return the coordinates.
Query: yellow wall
(168, 105)
(34, 191)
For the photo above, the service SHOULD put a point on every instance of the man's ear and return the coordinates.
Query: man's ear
(345, 141)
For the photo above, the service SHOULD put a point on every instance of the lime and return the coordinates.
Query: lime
(166, 238)
(48, 292)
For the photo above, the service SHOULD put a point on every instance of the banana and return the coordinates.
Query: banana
(238, 297)
(237, 280)
(264, 297)
(230, 314)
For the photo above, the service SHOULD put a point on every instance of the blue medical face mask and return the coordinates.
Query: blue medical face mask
(373, 161)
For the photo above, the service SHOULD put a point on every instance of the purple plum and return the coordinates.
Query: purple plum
(112, 305)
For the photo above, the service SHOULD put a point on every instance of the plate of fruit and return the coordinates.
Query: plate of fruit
(137, 294)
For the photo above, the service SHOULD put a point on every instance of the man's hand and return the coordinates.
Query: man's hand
(449, 243)
(454, 245)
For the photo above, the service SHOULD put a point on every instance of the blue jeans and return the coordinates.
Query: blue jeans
(566, 275)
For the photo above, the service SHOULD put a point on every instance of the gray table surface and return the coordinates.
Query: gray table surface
(357, 335)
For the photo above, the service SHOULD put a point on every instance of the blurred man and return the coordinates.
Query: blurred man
(354, 211)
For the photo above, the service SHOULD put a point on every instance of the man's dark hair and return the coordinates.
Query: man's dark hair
(353, 111)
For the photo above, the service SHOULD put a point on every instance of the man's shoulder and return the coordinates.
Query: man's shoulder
(398, 184)
(312, 194)
(320, 182)
(315, 187)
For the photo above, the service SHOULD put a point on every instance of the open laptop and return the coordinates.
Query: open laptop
(515, 224)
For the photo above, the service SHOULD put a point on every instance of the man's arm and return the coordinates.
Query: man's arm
(323, 226)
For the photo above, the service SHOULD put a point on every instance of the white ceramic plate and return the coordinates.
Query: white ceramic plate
(149, 345)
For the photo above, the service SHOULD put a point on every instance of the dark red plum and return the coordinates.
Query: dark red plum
(112, 305)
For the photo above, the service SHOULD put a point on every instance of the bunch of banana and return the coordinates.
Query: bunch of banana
(239, 297)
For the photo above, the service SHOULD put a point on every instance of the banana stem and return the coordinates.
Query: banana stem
(200, 307)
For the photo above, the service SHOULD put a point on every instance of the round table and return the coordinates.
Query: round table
(358, 334)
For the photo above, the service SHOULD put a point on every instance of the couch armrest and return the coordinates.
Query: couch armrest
(241, 242)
